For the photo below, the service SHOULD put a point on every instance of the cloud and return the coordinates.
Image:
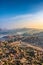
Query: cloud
(27, 20)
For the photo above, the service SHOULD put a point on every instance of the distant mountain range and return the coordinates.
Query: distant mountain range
(22, 31)
(0, 29)
(33, 36)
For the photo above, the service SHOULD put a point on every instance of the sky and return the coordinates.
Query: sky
(21, 14)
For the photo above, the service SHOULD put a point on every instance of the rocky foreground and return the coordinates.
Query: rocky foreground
(19, 53)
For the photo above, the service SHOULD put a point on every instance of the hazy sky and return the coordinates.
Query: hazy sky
(21, 13)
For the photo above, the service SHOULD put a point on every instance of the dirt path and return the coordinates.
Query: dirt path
(34, 47)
